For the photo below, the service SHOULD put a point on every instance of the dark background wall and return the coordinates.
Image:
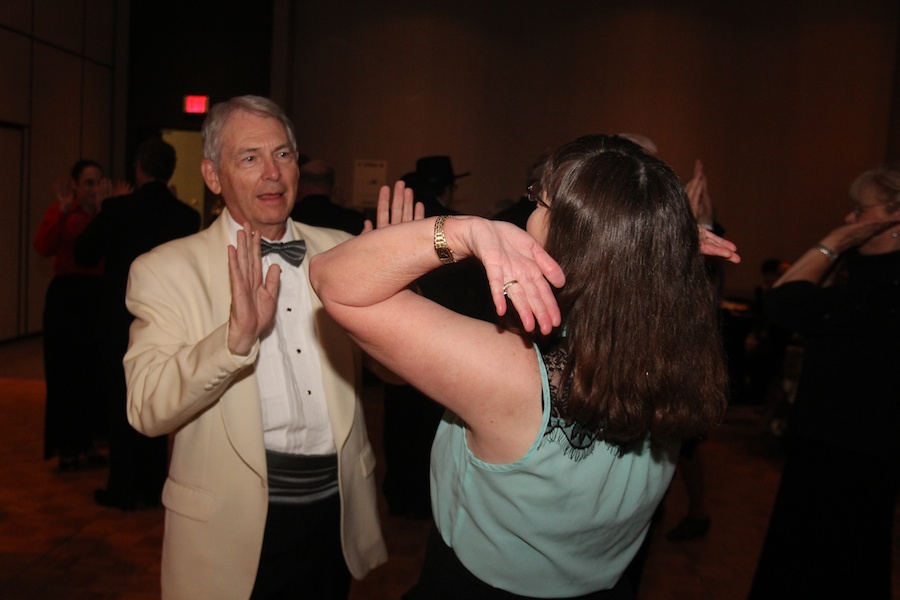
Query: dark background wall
(58, 86)
(785, 101)
(180, 47)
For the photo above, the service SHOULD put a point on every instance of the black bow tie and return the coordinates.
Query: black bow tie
(291, 252)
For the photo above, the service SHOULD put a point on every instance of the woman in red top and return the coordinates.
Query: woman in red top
(74, 396)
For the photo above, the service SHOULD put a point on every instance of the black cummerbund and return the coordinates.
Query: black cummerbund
(301, 479)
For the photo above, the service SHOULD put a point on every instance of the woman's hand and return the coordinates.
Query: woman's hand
(65, 193)
(519, 269)
(107, 188)
(852, 235)
(713, 245)
(812, 267)
(122, 188)
(698, 196)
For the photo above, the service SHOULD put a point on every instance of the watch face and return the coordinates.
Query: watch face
(444, 254)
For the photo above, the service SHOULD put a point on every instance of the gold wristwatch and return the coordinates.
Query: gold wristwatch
(440, 242)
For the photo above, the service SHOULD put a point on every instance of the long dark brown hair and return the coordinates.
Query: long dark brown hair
(640, 317)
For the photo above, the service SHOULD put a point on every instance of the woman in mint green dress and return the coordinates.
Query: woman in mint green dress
(562, 431)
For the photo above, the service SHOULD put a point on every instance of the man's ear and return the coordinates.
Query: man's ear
(210, 176)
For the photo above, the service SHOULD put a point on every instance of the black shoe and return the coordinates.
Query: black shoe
(149, 501)
(112, 500)
(95, 459)
(689, 529)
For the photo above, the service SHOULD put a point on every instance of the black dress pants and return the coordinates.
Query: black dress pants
(830, 531)
(444, 577)
(301, 553)
(138, 465)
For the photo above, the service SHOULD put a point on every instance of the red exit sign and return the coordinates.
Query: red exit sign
(196, 105)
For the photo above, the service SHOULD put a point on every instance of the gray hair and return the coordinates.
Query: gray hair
(886, 181)
(218, 115)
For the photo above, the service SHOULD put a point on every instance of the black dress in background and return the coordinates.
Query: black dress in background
(830, 534)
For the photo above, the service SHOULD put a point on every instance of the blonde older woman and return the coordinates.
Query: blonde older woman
(830, 531)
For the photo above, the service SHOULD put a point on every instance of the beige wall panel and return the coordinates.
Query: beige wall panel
(782, 115)
(187, 179)
(15, 90)
(60, 22)
(10, 230)
(100, 18)
(55, 146)
(96, 121)
(16, 14)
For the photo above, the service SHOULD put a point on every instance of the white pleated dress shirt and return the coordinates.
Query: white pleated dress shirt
(288, 367)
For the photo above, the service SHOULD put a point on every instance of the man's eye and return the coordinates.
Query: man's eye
(249, 159)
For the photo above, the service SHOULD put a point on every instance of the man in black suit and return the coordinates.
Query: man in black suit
(315, 205)
(434, 182)
(126, 227)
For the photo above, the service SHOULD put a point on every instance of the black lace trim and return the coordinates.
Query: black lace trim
(576, 441)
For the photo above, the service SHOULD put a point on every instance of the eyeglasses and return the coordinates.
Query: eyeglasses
(535, 194)
(859, 209)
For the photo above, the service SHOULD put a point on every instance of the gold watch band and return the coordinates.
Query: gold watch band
(445, 254)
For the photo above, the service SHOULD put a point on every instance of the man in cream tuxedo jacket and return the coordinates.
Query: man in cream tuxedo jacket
(212, 345)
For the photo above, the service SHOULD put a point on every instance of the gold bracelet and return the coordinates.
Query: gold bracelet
(445, 254)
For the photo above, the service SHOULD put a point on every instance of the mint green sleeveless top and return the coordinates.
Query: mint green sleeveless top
(564, 520)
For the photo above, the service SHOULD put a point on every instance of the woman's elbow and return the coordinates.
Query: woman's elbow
(316, 274)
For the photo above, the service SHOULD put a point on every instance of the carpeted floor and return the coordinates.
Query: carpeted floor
(55, 543)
